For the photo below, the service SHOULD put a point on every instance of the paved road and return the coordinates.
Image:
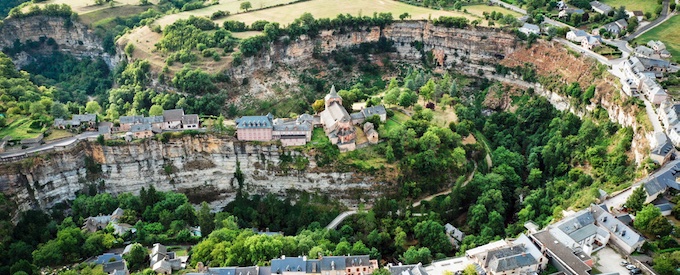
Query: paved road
(509, 6)
(585, 51)
(662, 18)
(335, 222)
(651, 114)
(49, 145)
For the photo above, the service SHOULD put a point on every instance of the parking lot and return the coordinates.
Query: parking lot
(608, 261)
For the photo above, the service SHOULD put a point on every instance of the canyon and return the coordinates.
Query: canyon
(204, 166)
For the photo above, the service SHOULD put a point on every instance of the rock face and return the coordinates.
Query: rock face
(69, 36)
(202, 167)
(473, 47)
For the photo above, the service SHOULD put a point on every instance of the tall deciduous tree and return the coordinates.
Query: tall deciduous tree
(645, 216)
(137, 257)
(636, 199)
(206, 219)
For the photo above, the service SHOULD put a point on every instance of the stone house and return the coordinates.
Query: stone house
(623, 237)
(371, 133)
(454, 234)
(190, 121)
(327, 265)
(669, 115)
(292, 133)
(141, 131)
(530, 29)
(662, 148)
(126, 122)
(662, 180)
(173, 119)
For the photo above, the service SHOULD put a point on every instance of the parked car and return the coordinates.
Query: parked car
(624, 263)
(631, 267)
(635, 271)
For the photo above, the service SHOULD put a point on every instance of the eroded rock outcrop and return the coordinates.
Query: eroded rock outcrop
(69, 36)
(202, 167)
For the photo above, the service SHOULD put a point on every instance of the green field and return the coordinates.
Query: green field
(104, 16)
(480, 9)
(86, 6)
(633, 5)
(667, 32)
(232, 6)
(19, 129)
(331, 8)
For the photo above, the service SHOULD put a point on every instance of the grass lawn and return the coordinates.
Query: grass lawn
(104, 16)
(232, 6)
(481, 8)
(19, 129)
(331, 8)
(86, 6)
(633, 5)
(667, 33)
(58, 134)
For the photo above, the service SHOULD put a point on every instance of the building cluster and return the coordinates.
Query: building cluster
(570, 242)
(662, 181)
(339, 125)
(144, 127)
(163, 261)
(653, 49)
(93, 224)
(86, 122)
(330, 265)
(132, 126)
(584, 39)
(112, 264)
(640, 77)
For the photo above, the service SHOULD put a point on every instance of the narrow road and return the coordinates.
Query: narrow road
(446, 192)
(651, 114)
(509, 6)
(662, 18)
(335, 222)
(49, 145)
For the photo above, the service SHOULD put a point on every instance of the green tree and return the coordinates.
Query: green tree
(206, 219)
(645, 216)
(432, 234)
(156, 110)
(636, 199)
(58, 110)
(136, 259)
(407, 98)
(413, 256)
(470, 270)
(660, 226)
(93, 107)
(129, 49)
(427, 91)
(246, 6)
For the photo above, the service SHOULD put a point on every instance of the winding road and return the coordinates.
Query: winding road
(49, 145)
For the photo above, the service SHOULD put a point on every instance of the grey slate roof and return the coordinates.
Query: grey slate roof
(288, 264)
(413, 269)
(357, 115)
(584, 232)
(573, 224)
(152, 119)
(565, 254)
(512, 262)
(374, 110)
(601, 6)
(106, 257)
(664, 178)
(619, 229)
(663, 149)
(85, 118)
(253, 122)
(332, 94)
(625, 219)
(173, 115)
(140, 128)
(111, 266)
(190, 119)
(643, 50)
(251, 270)
(664, 207)
(130, 119)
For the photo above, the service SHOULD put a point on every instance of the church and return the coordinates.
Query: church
(338, 124)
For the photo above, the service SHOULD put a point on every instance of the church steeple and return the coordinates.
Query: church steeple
(332, 96)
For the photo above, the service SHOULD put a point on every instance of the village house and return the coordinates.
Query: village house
(371, 133)
(254, 128)
(118, 267)
(569, 11)
(105, 129)
(411, 269)
(164, 262)
(292, 133)
(662, 148)
(126, 122)
(591, 41)
(530, 29)
(173, 119)
(577, 35)
(454, 234)
(662, 180)
(520, 256)
(616, 27)
(141, 131)
(639, 15)
(601, 8)
(644, 51)
(640, 76)
(250, 270)
(669, 115)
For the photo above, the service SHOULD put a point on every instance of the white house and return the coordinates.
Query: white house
(591, 42)
(529, 29)
(577, 35)
(601, 8)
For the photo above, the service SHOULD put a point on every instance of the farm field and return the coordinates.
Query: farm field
(232, 6)
(481, 8)
(19, 129)
(667, 32)
(86, 6)
(633, 5)
(331, 8)
(103, 16)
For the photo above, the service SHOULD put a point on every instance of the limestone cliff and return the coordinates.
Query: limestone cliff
(70, 37)
(474, 47)
(202, 167)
